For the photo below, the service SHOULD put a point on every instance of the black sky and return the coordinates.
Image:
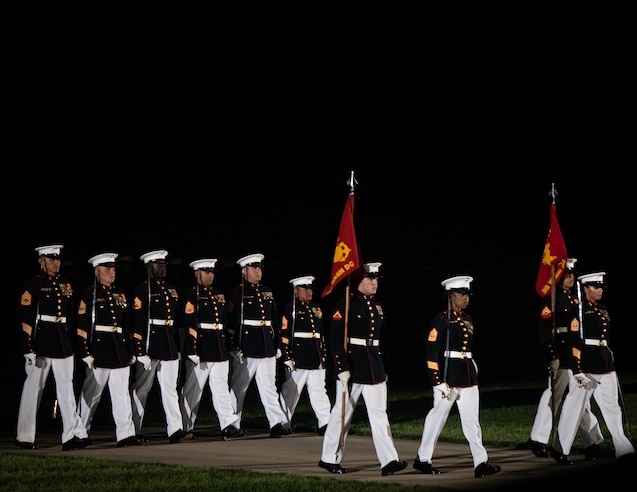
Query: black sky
(225, 130)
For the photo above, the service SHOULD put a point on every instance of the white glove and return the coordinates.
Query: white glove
(132, 360)
(278, 353)
(344, 376)
(145, 360)
(554, 365)
(290, 364)
(194, 359)
(88, 360)
(443, 389)
(238, 355)
(581, 379)
(29, 361)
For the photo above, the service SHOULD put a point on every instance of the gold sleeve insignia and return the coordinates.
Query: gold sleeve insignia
(337, 316)
(284, 323)
(433, 335)
(26, 298)
(137, 303)
(137, 336)
(82, 333)
(546, 313)
(27, 329)
(432, 364)
(574, 324)
(577, 353)
(192, 332)
(82, 308)
(190, 308)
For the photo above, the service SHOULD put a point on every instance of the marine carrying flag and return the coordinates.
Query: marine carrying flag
(346, 254)
(554, 255)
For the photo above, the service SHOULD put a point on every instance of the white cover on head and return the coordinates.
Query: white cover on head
(53, 249)
(159, 254)
(307, 280)
(372, 268)
(249, 259)
(458, 282)
(570, 263)
(592, 277)
(203, 263)
(102, 258)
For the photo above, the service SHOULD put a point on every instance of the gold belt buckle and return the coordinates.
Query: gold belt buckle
(603, 343)
(166, 322)
(370, 342)
(262, 322)
(314, 335)
(58, 319)
(114, 329)
(463, 354)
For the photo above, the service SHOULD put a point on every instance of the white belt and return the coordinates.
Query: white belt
(454, 354)
(306, 334)
(561, 329)
(595, 341)
(162, 322)
(118, 329)
(52, 319)
(364, 342)
(257, 322)
(211, 326)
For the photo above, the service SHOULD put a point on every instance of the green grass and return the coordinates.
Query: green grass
(507, 412)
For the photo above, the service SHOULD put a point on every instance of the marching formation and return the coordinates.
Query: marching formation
(187, 338)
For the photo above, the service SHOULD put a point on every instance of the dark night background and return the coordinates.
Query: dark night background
(225, 130)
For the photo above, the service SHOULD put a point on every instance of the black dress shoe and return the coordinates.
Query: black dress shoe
(75, 443)
(141, 439)
(560, 459)
(424, 467)
(538, 449)
(280, 430)
(484, 469)
(129, 441)
(595, 451)
(332, 467)
(179, 436)
(232, 432)
(26, 445)
(392, 467)
(321, 431)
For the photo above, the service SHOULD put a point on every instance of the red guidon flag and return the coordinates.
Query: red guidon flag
(554, 255)
(346, 255)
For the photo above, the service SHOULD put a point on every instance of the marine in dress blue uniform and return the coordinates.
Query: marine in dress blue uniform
(594, 374)
(357, 354)
(106, 347)
(454, 376)
(553, 328)
(207, 358)
(304, 353)
(45, 312)
(155, 314)
(254, 341)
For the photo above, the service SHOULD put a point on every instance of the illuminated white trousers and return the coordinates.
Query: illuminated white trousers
(589, 430)
(167, 372)
(118, 381)
(468, 401)
(32, 390)
(216, 375)
(314, 380)
(375, 397)
(604, 388)
(263, 371)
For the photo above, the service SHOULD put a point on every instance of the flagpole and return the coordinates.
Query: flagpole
(341, 441)
(553, 195)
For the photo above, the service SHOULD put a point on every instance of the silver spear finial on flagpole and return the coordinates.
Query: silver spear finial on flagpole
(553, 193)
(351, 182)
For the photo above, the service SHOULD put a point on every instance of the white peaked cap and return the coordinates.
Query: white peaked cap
(102, 259)
(372, 269)
(52, 250)
(204, 264)
(302, 281)
(459, 282)
(570, 263)
(252, 260)
(159, 254)
(592, 278)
